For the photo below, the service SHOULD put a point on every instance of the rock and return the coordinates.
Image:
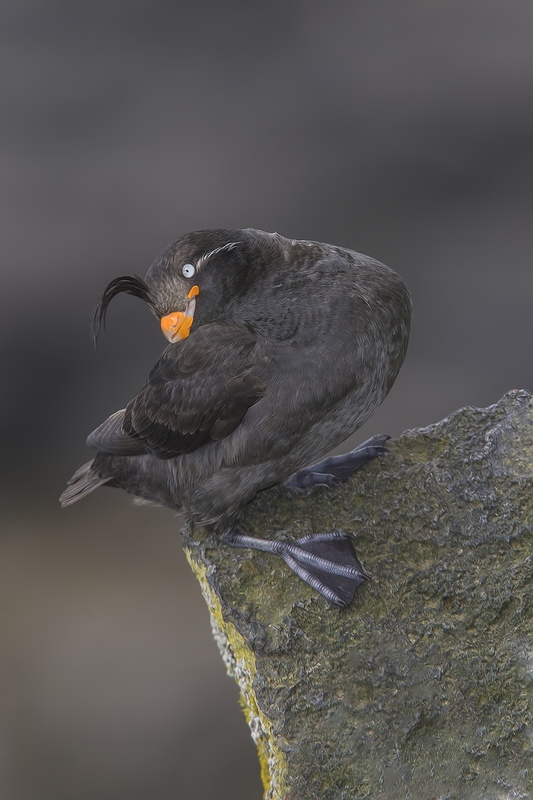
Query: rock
(423, 687)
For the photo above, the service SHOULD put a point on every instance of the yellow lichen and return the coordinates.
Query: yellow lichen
(240, 664)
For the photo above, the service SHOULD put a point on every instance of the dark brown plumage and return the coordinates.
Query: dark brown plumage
(197, 393)
(280, 350)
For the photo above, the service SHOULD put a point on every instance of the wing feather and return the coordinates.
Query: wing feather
(199, 391)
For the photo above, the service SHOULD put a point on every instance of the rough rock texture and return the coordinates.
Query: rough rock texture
(423, 687)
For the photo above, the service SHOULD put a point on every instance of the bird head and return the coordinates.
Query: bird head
(200, 277)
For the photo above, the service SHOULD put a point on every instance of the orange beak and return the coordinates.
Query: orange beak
(177, 325)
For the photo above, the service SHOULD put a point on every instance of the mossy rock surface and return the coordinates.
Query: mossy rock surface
(423, 687)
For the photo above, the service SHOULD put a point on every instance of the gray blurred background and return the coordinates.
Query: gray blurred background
(402, 130)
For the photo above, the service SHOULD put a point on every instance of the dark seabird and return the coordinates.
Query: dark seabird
(279, 351)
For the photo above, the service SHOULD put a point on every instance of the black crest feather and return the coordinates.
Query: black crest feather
(127, 284)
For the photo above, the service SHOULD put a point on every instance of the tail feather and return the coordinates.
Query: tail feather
(84, 481)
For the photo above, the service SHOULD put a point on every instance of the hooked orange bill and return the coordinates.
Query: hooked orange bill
(177, 325)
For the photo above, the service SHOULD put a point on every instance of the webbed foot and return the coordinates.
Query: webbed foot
(326, 561)
(335, 470)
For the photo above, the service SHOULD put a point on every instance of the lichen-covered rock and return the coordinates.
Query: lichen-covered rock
(423, 687)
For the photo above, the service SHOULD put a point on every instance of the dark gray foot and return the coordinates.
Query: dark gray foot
(326, 561)
(337, 469)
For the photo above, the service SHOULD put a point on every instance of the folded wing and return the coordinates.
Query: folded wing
(198, 392)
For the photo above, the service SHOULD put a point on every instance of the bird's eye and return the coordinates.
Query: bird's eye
(188, 270)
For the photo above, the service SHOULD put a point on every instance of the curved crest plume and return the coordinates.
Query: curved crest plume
(127, 284)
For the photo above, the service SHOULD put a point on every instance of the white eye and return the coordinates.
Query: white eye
(188, 270)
